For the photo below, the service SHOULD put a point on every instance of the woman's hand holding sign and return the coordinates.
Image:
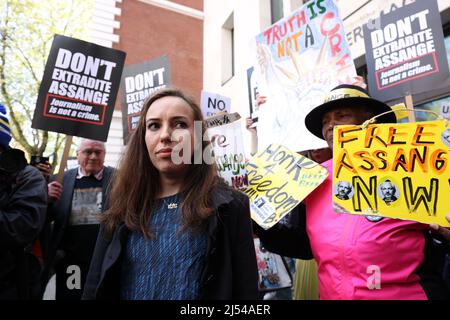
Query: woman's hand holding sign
(445, 232)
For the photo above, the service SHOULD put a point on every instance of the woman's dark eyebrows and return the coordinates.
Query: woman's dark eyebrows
(179, 117)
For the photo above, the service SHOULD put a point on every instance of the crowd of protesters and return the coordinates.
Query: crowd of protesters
(158, 230)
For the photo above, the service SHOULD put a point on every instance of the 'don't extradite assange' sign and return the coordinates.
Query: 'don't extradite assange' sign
(139, 81)
(79, 89)
(405, 51)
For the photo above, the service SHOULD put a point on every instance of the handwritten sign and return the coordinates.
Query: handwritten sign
(213, 103)
(221, 119)
(299, 60)
(393, 170)
(279, 180)
(228, 149)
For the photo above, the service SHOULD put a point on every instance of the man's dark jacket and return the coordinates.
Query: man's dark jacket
(230, 271)
(60, 211)
(23, 205)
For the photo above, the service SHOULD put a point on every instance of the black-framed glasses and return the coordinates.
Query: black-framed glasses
(89, 152)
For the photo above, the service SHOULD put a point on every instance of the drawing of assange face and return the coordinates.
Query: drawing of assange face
(343, 190)
(445, 136)
(388, 190)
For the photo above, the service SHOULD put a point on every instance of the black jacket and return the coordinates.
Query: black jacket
(230, 271)
(60, 211)
(23, 205)
(290, 240)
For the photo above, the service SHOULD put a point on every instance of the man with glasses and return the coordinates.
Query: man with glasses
(82, 197)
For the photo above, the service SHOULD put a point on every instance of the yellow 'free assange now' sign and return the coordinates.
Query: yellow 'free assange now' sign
(393, 170)
(279, 180)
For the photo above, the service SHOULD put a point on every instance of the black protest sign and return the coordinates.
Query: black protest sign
(79, 89)
(405, 51)
(252, 86)
(138, 82)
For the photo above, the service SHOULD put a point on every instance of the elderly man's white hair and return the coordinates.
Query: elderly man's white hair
(388, 182)
(344, 183)
(85, 140)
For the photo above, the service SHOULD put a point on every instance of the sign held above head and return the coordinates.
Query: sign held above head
(214, 103)
(405, 52)
(140, 81)
(79, 89)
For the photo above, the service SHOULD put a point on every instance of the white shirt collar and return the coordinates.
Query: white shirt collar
(97, 176)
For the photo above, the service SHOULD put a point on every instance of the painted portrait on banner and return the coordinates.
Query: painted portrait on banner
(298, 60)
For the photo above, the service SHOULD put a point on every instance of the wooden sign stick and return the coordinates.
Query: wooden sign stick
(410, 105)
(65, 156)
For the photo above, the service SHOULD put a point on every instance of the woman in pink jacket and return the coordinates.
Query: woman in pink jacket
(361, 257)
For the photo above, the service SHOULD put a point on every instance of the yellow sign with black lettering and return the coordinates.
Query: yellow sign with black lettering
(393, 170)
(279, 180)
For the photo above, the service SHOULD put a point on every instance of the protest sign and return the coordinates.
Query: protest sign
(78, 89)
(221, 119)
(393, 170)
(213, 103)
(228, 149)
(279, 180)
(299, 60)
(405, 52)
(252, 85)
(138, 82)
(440, 107)
(273, 271)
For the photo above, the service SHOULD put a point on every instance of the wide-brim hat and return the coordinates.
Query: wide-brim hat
(346, 95)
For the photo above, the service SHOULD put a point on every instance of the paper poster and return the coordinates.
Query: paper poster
(299, 60)
(273, 272)
(393, 170)
(279, 180)
(225, 135)
(79, 89)
(214, 103)
(253, 91)
(138, 82)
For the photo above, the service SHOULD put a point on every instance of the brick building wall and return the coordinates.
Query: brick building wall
(148, 29)
(148, 32)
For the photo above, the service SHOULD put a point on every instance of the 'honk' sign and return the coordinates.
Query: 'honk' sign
(279, 180)
(393, 170)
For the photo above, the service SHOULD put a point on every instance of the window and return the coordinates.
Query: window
(228, 49)
(276, 10)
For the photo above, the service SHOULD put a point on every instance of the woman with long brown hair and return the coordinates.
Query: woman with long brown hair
(173, 230)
